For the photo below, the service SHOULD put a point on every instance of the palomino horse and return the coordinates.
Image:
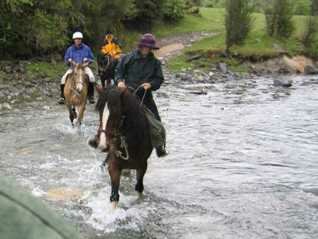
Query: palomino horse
(124, 131)
(75, 92)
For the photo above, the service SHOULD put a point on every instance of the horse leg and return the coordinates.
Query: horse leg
(140, 179)
(71, 112)
(114, 172)
(81, 114)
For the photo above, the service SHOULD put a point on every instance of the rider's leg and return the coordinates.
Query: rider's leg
(63, 80)
(91, 84)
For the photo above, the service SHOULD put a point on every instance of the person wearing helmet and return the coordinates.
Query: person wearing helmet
(141, 71)
(79, 53)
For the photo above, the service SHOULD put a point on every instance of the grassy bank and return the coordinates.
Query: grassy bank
(257, 45)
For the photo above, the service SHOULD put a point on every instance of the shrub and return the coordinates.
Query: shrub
(173, 10)
(238, 21)
(279, 19)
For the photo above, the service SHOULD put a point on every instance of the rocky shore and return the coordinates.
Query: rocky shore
(20, 85)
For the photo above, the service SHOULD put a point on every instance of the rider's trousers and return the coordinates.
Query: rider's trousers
(88, 72)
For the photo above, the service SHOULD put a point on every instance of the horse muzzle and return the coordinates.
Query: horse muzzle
(79, 88)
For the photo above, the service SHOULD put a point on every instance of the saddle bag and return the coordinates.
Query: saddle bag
(157, 131)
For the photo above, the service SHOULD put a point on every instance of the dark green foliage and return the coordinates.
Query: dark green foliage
(173, 10)
(314, 7)
(302, 7)
(279, 18)
(310, 34)
(101, 16)
(192, 3)
(31, 28)
(27, 26)
(238, 21)
(144, 13)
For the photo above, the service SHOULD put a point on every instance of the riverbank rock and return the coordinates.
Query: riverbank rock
(299, 64)
(222, 67)
(283, 83)
(5, 106)
(310, 70)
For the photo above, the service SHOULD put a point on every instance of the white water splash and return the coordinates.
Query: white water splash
(107, 219)
(38, 192)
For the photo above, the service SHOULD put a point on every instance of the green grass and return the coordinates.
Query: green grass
(47, 69)
(211, 20)
(257, 44)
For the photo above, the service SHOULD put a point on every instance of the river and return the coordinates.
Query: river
(243, 163)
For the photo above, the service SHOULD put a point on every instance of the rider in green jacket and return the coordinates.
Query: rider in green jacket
(141, 71)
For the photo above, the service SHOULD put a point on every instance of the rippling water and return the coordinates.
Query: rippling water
(243, 163)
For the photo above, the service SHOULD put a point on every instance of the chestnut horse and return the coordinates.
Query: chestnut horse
(75, 92)
(124, 131)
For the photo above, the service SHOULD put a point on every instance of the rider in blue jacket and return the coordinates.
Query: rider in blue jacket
(79, 53)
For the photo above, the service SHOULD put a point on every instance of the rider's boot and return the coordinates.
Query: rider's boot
(61, 101)
(91, 93)
(161, 151)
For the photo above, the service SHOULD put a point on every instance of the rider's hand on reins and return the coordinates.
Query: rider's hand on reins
(121, 85)
(146, 86)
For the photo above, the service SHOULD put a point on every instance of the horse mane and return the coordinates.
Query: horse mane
(135, 119)
(136, 122)
(75, 69)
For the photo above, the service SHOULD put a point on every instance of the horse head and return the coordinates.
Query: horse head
(109, 106)
(79, 76)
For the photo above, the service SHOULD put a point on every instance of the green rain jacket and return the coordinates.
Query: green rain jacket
(136, 70)
(24, 217)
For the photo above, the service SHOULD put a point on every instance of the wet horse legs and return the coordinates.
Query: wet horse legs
(72, 114)
(140, 179)
(114, 172)
(81, 114)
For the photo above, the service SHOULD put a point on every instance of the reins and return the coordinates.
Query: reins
(144, 95)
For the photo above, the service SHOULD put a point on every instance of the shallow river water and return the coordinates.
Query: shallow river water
(243, 163)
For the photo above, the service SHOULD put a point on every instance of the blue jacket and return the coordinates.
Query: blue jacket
(78, 54)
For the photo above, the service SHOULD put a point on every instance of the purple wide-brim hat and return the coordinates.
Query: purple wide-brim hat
(148, 40)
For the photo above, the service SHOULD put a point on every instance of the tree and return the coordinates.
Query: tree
(314, 7)
(41, 27)
(279, 18)
(173, 10)
(309, 37)
(238, 21)
(144, 13)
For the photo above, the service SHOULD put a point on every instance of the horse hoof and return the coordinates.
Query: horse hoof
(141, 196)
(114, 205)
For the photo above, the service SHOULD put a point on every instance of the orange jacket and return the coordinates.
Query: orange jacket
(111, 48)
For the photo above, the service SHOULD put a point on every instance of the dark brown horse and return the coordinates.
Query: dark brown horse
(106, 69)
(124, 132)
